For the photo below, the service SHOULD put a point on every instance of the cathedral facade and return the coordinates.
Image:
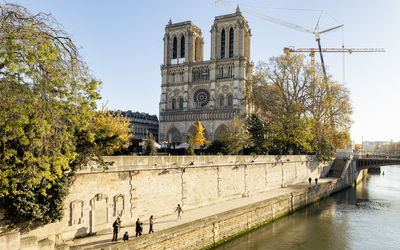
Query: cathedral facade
(194, 90)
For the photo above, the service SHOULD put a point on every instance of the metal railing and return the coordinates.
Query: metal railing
(377, 157)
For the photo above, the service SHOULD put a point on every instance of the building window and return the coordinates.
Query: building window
(231, 43)
(223, 44)
(181, 103)
(175, 49)
(221, 101)
(182, 47)
(173, 104)
(201, 97)
(230, 101)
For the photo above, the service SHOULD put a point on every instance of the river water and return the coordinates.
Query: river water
(362, 217)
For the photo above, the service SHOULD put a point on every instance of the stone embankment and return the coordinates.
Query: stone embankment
(245, 193)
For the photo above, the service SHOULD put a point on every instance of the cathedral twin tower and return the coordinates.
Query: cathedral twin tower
(195, 90)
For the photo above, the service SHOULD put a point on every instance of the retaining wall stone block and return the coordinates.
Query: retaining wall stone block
(46, 244)
(10, 240)
(29, 243)
(62, 247)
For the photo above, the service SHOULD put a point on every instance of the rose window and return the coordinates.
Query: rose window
(201, 97)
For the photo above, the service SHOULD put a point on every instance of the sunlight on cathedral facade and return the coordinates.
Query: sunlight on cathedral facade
(195, 90)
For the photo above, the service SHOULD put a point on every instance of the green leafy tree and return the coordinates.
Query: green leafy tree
(190, 149)
(324, 151)
(258, 136)
(236, 136)
(292, 133)
(47, 98)
(297, 103)
(218, 147)
(150, 148)
(331, 108)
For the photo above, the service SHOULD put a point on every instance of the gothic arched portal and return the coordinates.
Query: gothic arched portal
(174, 137)
(219, 131)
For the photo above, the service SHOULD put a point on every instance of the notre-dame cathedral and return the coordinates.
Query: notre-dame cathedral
(210, 91)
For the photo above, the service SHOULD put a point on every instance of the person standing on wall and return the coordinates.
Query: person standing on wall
(309, 180)
(179, 209)
(115, 232)
(139, 228)
(151, 225)
(316, 181)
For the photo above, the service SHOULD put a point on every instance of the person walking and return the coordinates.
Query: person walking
(139, 228)
(309, 180)
(179, 209)
(126, 236)
(151, 225)
(115, 232)
(316, 181)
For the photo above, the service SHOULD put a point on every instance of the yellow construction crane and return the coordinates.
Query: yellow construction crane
(340, 50)
(316, 31)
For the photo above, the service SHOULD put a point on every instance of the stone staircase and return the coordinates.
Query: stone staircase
(337, 167)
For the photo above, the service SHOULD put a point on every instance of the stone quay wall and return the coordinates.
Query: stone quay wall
(216, 229)
(139, 186)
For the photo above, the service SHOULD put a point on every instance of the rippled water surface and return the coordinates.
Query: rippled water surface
(364, 217)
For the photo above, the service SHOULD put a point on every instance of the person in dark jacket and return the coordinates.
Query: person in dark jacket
(139, 228)
(115, 232)
(126, 236)
(179, 210)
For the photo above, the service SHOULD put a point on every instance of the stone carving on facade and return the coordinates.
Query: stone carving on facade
(77, 212)
(199, 116)
(119, 204)
(99, 214)
(176, 76)
(200, 74)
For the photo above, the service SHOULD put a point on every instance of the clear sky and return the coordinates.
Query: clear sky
(122, 41)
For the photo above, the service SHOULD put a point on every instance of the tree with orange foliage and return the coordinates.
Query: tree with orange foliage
(108, 132)
(114, 124)
(199, 140)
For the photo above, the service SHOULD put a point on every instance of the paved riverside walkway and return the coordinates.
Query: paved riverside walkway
(104, 240)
